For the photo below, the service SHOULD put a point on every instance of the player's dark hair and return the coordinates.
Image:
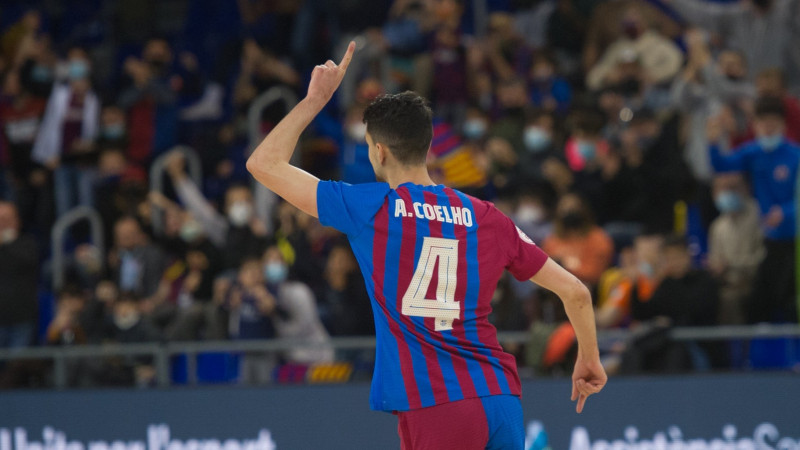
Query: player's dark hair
(770, 106)
(403, 123)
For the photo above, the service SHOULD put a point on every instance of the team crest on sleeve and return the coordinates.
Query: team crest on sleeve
(524, 236)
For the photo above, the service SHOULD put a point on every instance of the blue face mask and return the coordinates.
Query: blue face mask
(41, 74)
(771, 142)
(474, 129)
(536, 139)
(587, 150)
(78, 70)
(114, 131)
(275, 272)
(728, 201)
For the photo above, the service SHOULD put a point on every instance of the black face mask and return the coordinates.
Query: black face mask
(629, 87)
(515, 111)
(574, 220)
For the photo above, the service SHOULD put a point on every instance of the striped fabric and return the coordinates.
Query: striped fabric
(428, 254)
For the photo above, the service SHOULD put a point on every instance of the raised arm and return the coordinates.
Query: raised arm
(589, 377)
(269, 162)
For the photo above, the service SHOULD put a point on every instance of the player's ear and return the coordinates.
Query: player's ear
(381, 153)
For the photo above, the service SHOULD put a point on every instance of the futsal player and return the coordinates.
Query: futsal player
(431, 257)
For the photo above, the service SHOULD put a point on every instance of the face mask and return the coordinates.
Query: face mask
(587, 150)
(771, 142)
(631, 29)
(158, 66)
(275, 272)
(127, 321)
(646, 269)
(357, 132)
(630, 87)
(645, 142)
(728, 201)
(240, 213)
(529, 214)
(114, 131)
(8, 235)
(41, 74)
(190, 231)
(574, 220)
(78, 70)
(536, 139)
(474, 129)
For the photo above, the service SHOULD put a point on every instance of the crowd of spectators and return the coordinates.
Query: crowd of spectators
(646, 145)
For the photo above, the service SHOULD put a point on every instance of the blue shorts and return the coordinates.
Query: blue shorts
(494, 422)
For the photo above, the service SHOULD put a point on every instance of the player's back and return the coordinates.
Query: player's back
(431, 257)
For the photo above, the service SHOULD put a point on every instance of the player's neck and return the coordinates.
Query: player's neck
(417, 175)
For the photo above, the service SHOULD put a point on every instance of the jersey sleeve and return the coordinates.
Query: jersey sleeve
(524, 258)
(349, 207)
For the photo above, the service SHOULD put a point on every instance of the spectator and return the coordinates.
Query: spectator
(19, 275)
(65, 143)
(702, 89)
(735, 246)
(772, 83)
(542, 151)
(771, 162)
(577, 242)
(506, 52)
(150, 101)
(660, 59)
(658, 176)
(684, 297)
(136, 263)
(451, 77)
(20, 121)
(239, 232)
(251, 311)
(113, 128)
(127, 325)
(297, 316)
(761, 29)
(631, 281)
(548, 90)
(587, 154)
(344, 304)
(66, 327)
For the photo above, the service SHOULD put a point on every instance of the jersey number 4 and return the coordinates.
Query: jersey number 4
(444, 308)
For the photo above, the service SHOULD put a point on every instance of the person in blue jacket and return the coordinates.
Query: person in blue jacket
(771, 163)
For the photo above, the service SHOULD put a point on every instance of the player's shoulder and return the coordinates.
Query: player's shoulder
(484, 210)
(361, 191)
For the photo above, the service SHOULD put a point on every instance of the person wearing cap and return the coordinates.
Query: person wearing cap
(771, 162)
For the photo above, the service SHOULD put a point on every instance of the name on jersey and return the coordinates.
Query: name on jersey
(452, 214)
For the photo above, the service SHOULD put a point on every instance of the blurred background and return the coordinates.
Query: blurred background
(646, 145)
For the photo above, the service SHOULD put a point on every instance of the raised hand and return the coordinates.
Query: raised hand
(325, 78)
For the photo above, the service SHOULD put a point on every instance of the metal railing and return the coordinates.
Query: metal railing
(264, 199)
(162, 352)
(157, 169)
(58, 234)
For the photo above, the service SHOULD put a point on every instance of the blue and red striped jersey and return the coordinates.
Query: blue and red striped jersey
(431, 258)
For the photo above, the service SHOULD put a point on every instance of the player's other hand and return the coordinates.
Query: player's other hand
(325, 78)
(588, 378)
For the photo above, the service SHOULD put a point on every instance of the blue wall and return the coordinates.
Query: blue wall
(736, 410)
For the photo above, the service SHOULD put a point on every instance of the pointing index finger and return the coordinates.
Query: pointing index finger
(347, 56)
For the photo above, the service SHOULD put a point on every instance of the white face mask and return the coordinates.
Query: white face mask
(529, 214)
(240, 213)
(8, 235)
(357, 131)
(126, 321)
